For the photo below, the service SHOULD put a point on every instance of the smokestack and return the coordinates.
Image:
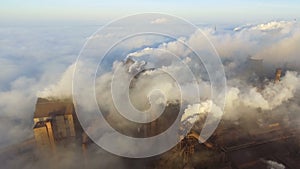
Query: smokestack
(84, 147)
(84, 142)
(278, 75)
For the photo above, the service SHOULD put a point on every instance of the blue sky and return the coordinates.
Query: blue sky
(19, 11)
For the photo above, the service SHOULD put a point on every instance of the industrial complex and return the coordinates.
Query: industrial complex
(258, 141)
(250, 143)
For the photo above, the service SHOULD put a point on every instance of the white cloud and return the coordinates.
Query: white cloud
(34, 64)
(159, 21)
(31, 59)
(278, 26)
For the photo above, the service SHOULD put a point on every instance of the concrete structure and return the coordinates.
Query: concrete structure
(54, 121)
(43, 135)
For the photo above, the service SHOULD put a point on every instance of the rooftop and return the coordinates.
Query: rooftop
(47, 107)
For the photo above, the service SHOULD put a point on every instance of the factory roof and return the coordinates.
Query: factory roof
(46, 107)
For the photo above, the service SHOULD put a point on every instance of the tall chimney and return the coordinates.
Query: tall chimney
(84, 148)
(278, 75)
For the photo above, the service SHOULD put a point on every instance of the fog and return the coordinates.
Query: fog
(40, 63)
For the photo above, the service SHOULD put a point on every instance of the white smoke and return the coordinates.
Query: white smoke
(276, 42)
(62, 89)
(274, 165)
(252, 40)
(268, 98)
(148, 82)
(235, 46)
(193, 112)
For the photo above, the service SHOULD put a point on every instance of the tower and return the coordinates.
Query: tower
(55, 121)
(278, 75)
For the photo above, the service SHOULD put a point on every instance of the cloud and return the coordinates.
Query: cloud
(269, 41)
(278, 26)
(233, 46)
(16, 108)
(32, 59)
(270, 97)
(159, 21)
(62, 89)
(39, 62)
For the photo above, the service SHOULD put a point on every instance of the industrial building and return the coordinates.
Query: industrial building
(55, 122)
(271, 137)
(257, 141)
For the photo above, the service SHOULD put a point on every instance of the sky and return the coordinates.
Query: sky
(98, 12)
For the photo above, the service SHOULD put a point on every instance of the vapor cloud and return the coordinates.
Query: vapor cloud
(274, 165)
(234, 48)
(159, 21)
(41, 63)
(32, 60)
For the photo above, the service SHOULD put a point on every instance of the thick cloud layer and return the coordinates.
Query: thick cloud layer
(34, 61)
(236, 48)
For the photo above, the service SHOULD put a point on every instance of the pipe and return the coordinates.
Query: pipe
(200, 139)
